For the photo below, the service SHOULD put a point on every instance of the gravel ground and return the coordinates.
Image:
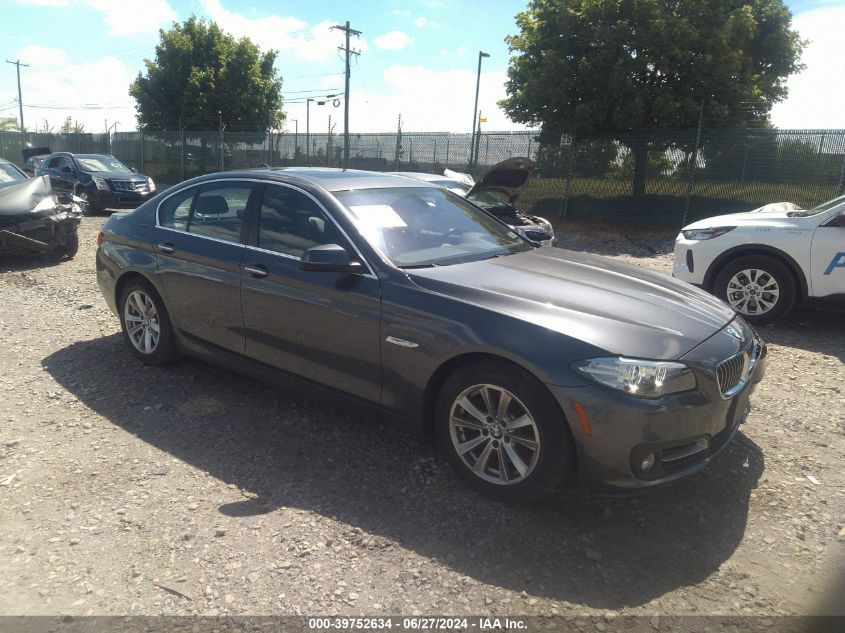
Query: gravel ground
(132, 490)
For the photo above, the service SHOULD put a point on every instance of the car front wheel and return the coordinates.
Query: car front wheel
(146, 324)
(503, 432)
(760, 288)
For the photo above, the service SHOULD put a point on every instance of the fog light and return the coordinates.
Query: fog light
(648, 463)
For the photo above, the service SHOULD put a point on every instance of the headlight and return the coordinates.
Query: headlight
(642, 378)
(706, 234)
(152, 184)
(101, 183)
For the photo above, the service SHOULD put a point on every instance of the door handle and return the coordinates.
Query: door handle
(257, 270)
(166, 248)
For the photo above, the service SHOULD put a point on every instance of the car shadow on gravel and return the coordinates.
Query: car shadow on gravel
(282, 450)
(814, 327)
(27, 261)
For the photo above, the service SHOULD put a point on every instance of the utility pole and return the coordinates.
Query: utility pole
(398, 143)
(222, 127)
(20, 100)
(481, 55)
(348, 30)
(308, 131)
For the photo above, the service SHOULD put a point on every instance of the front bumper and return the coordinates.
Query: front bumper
(683, 431)
(119, 199)
(44, 234)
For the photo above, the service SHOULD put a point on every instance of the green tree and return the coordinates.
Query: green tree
(200, 71)
(615, 66)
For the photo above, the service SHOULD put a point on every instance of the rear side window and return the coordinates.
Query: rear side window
(219, 210)
(174, 212)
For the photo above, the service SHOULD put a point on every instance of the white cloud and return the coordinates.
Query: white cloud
(393, 40)
(429, 101)
(285, 34)
(42, 55)
(45, 3)
(423, 22)
(816, 95)
(103, 82)
(129, 18)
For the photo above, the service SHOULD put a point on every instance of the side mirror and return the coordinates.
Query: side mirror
(329, 258)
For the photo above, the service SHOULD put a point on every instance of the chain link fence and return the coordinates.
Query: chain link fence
(656, 178)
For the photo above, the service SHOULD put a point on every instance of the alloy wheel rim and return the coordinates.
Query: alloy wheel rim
(494, 434)
(753, 292)
(142, 323)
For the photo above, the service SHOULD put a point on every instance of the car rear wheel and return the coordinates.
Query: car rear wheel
(146, 324)
(503, 432)
(760, 288)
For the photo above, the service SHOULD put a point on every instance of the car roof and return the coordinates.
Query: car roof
(330, 179)
(420, 175)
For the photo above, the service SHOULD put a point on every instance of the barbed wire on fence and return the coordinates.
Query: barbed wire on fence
(643, 177)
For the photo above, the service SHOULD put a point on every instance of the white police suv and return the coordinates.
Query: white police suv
(762, 261)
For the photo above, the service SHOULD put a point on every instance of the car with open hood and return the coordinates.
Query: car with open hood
(497, 193)
(762, 262)
(100, 180)
(33, 157)
(529, 365)
(33, 219)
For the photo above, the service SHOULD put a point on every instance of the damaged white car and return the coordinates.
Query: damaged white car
(33, 219)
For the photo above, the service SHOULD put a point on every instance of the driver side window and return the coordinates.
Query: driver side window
(290, 223)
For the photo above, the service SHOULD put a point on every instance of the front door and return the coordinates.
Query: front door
(198, 238)
(828, 258)
(323, 326)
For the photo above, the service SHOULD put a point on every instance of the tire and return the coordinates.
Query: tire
(71, 246)
(542, 469)
(88, 208)
(68, 247)
(743, 284)
(141, 306)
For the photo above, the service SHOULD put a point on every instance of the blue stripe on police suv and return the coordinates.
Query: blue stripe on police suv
(838, 261)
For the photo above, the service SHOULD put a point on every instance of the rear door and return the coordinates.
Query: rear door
(323, 326)
(199, 237)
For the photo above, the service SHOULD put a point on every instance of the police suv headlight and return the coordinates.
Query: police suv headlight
(706, 234)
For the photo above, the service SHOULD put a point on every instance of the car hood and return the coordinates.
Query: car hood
(29, 152)
(23, 197)
(509, 177)
(118, 175)
(623, 309)
(775, 211)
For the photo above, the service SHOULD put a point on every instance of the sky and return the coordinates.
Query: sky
(418, 59)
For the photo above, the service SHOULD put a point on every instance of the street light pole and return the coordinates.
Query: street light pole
(308, 131)
(481, 55)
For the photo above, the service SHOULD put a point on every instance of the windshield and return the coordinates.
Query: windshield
(96, 162)
(10, 173)
(484, 199)
(417, 227)
(825, 206)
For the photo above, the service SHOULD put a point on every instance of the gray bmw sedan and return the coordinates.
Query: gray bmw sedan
(530, 365)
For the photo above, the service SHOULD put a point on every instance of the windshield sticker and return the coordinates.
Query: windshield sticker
(377, 216)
